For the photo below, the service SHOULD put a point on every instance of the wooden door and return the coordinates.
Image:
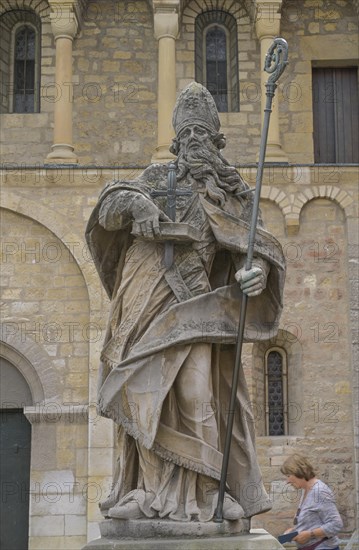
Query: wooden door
(15, 441)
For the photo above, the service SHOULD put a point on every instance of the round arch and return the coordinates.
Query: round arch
(44, 382)
(191, 9)
(330, 192)
(42, 8)
(59, 226)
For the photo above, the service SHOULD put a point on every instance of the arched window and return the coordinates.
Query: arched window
(216, 65)
(276, 408)
(20, 62)
(24, 69)
(216, 61)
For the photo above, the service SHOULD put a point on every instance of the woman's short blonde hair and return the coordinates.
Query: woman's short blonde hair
(298, 466)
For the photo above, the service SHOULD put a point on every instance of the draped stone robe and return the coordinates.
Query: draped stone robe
(168, 357)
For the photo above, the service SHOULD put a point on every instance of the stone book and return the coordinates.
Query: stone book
(175, 231)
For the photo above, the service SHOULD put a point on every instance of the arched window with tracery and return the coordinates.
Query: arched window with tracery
(216, 55)
(276, 406)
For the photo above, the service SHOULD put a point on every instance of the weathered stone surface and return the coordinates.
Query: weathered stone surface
(183, 465)
(51, 196)
(258, 539)
(147, 528)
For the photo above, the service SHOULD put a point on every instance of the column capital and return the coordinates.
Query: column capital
(165, 19)
(267, 18)
(64, 22)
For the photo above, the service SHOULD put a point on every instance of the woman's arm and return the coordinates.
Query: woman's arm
(329, 516)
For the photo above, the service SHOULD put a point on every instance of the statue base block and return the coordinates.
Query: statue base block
(171, 535)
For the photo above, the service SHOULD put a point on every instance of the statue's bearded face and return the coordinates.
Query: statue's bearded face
(193, 138)
(200, 161)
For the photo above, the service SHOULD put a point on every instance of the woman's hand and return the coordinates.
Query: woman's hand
(303, 537)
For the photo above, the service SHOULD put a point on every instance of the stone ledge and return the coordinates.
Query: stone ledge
(160, 528)
(257, 539)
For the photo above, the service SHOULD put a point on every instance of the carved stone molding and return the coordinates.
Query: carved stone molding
(64, 21)
(165, 25)
(267, 18)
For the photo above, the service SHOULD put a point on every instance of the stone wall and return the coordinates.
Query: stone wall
(319, 33)
(115, 91)
(50, 281)
(316, 317)
(46, 307)
(242, 146)
(27, 138)
(45, 298)
(41, 290)
(115, 81)
(54, 316)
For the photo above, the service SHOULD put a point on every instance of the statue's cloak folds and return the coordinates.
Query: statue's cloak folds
(133, 388)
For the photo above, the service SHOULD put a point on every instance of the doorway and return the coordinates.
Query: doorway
(15, 454)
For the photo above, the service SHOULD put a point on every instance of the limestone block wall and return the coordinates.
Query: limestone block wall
(115, 84)
(320, 396)
(44, 293)
(242, 146)
(54, 315)
(45, 307)
(27, 138)
(319, 33)
(50, 282)
(115, 80)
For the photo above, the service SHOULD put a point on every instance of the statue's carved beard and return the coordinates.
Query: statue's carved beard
(207, 166)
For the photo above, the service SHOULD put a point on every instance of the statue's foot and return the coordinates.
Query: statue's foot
(105, 505)
(130, 510)
(231, 509)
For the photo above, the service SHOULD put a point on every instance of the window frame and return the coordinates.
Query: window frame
(204, 46)
(226, 21)
(283, 354)
(333, 153)
(37, 67)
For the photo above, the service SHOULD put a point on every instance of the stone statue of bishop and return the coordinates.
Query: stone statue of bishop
(168, 357)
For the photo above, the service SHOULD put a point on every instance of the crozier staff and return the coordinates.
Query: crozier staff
(317, 519)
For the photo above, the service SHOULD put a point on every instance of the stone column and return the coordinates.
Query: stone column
(267, 28)
(166, 32)
(64, 26)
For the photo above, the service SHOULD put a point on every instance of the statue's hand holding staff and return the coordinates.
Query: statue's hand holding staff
(146, 217)
(253, 281)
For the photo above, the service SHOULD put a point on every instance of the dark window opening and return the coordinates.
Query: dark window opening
(335, 115)
(276, 419)
(216, 58)
(24, 70)
(216, 66)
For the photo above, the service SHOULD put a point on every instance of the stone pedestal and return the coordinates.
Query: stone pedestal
(171, 535)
